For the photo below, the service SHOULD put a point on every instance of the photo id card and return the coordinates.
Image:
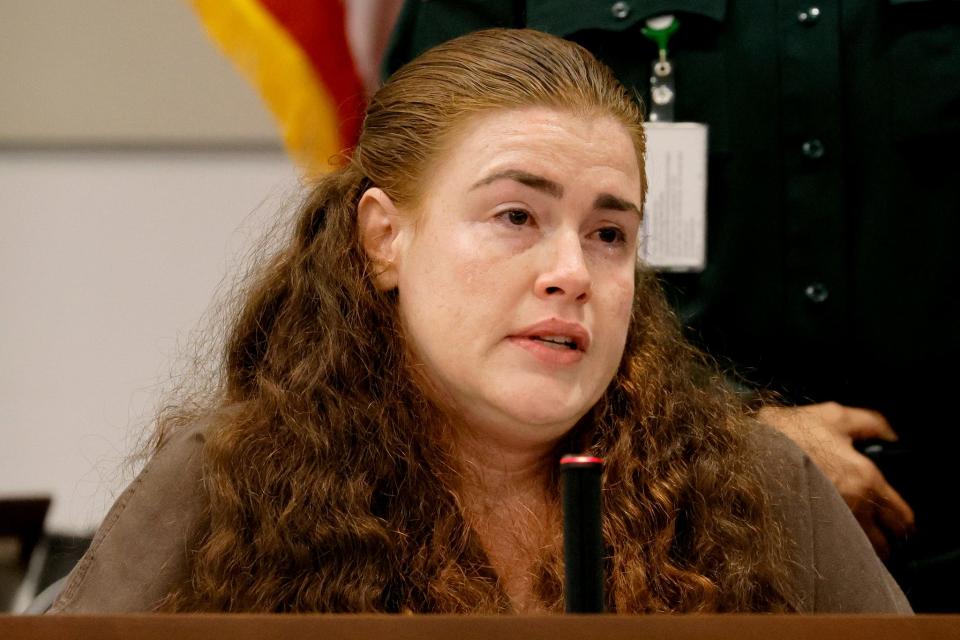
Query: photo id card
(674, 232)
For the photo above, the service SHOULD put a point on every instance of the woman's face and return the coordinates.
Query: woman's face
(517, 277)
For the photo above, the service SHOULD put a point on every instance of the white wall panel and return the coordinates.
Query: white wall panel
(107, 262)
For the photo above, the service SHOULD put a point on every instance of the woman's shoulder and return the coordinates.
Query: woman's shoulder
(140, 550)
(836, 568)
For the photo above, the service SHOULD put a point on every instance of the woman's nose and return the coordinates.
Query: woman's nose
(564, 273)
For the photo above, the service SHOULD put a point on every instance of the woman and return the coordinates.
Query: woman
(459, 305)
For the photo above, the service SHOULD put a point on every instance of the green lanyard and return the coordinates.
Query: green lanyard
(663, 89)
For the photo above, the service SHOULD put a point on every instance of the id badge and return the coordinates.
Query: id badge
(674, 230)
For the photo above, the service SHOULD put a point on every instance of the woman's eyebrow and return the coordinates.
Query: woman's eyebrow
(610, 201)
(531, 180)
(602, 201)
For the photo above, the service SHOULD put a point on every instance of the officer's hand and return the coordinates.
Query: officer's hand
(826, 432)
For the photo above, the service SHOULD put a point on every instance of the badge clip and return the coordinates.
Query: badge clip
(663, 90)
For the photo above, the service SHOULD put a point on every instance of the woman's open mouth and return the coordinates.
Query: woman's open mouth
(561, 342)
(550, 350)
(554, 341)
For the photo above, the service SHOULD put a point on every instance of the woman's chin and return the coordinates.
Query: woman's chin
(551, 402)
(539, 422)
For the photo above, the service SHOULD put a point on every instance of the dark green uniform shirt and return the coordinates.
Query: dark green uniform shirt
(833, 200)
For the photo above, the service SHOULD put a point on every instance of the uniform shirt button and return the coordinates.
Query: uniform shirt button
(808, 16)
(813, 149)
(620, 10)
(816, 292)
(874, 448)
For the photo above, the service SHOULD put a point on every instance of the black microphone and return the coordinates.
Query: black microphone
(582, 534)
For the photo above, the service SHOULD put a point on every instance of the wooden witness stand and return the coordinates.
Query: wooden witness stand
(428, 627)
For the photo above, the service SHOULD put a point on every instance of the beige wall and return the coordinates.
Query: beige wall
(119, 72)
(136, 168)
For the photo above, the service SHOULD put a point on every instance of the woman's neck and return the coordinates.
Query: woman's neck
(506, 500)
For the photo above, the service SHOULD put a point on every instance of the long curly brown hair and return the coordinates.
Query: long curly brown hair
(327, 488)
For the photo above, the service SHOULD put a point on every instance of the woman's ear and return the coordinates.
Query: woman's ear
(379, 222)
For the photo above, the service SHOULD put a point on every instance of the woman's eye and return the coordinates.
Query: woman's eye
(518, 217)
(611, 235)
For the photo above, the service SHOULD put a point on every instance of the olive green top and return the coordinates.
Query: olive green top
(141, 551)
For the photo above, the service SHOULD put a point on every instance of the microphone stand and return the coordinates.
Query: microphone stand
(582, 534)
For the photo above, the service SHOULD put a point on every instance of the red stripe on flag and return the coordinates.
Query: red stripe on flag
(319, 27)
